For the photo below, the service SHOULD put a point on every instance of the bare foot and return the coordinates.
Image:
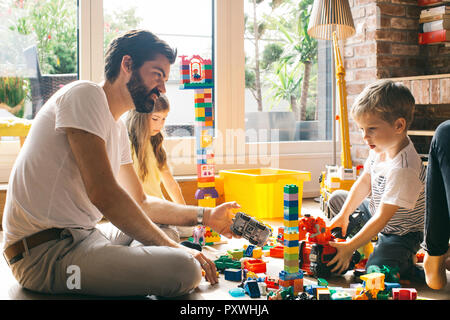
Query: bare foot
(435, 274)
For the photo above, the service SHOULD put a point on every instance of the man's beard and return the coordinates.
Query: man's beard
(142, 99)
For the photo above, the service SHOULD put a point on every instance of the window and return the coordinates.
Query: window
(282, 73)
(38, 53)
(184, 25)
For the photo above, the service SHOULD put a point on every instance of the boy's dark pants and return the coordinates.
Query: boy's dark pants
(391, 250)
(437, 190)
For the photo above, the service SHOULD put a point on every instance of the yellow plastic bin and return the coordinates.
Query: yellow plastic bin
(259, 192)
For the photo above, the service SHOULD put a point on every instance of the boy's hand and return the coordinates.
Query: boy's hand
(220, 218)
(342, 258)
(339, 222)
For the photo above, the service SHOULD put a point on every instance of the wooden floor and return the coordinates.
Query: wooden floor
(11, 290)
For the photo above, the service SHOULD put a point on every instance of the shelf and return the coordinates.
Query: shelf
(428, 133)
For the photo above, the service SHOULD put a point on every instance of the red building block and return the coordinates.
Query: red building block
(255, 265)
(404, 294)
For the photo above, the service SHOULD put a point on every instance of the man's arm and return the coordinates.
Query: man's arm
(107, 195)
(158, 210)
(165, 212)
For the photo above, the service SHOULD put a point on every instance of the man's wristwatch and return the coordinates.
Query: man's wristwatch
(200, 213)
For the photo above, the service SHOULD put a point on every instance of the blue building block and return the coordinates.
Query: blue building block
(312, 289)
(233, 275)
(388, 286)
(283, 275)
(290, 243)
(249, 251)
(252, 289)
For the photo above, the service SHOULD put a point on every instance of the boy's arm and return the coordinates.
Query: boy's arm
(358, 192)
(370, 230)
(172, 186)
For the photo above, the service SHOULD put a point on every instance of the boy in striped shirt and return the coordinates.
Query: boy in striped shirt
(393, 179)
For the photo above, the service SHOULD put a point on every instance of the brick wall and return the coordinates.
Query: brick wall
(386, 46)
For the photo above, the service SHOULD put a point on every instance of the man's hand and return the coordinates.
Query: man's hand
(220, 218)
(206, 264)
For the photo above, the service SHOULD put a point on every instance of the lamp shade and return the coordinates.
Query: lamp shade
(328, 16)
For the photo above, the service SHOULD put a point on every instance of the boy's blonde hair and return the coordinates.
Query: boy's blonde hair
(386, 99)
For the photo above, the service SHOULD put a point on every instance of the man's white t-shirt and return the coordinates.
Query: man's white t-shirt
(399, 181)
(45, 187)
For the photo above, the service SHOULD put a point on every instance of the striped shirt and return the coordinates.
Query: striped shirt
(399, 181)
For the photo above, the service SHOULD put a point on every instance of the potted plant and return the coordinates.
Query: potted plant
(13, 92)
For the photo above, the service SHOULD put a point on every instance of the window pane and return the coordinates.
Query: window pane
(185, 25)
(38, 53)
(282, 73)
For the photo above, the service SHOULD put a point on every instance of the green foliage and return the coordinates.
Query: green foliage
(285, 83)
(119, 21)
(271, 53)
(13, 91)
(53, 22)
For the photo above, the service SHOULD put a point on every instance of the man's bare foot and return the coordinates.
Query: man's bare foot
(435, 274)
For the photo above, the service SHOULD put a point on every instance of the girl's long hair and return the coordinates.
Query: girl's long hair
(139, 135)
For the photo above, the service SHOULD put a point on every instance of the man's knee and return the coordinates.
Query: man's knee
(185, 275)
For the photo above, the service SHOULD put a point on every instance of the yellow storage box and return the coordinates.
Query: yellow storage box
(259, 192)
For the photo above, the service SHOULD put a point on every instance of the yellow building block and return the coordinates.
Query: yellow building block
(291, 236)
(207, 202)
(205, 184)
(290, 223)
(291, 250)
(374, 281)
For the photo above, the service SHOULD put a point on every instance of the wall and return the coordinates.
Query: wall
(386, 46)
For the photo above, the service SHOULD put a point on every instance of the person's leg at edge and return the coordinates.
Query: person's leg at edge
(437, 215)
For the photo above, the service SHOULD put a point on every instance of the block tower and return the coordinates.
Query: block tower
(196, 74)
(291, 276)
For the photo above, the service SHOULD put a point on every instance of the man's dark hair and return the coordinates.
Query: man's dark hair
(140, 45)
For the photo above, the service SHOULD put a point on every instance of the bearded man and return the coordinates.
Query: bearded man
(76, 167)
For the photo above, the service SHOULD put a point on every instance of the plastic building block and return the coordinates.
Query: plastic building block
(322, 282)
(262, 288)
(252, 289)
(271, 283)
(225, 262)
(341, 295)
(236, 254)
(233, 275)
(237, 292)
(323, 294)
(388, 286)
(404, 294)
(373, 281)
(249, 251)
(255, 265)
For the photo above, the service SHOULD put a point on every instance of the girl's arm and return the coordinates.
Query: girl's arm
(172, 186)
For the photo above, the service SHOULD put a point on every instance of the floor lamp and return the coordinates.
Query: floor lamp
(328, 17)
